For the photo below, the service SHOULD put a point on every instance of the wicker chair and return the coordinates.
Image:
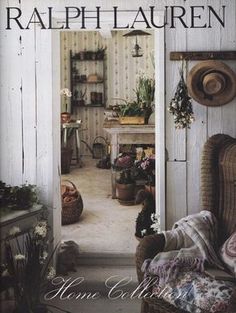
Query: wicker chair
(218, 191)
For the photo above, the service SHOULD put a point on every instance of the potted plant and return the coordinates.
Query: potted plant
(147, 166)
(130, 112)
(125, 184)
(65, 115)
(80, 97)
(139, 110)
(100, 53)
(145, 92)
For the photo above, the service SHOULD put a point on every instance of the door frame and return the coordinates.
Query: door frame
(159, 39)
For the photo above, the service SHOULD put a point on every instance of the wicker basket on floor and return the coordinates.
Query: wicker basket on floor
(72, 203)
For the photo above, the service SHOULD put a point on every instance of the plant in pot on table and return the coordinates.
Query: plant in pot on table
(139, 110)
(125, 184)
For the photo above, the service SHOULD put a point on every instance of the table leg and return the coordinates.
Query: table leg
(65, 137)
(114, 154)
(78, 156)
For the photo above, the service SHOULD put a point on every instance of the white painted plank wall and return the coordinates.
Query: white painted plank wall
(209, 121)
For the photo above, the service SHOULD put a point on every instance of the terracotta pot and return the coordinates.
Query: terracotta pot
(151, 189)
(65, 117)
(125, 192)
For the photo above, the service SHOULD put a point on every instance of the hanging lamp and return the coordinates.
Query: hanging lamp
(137, 51)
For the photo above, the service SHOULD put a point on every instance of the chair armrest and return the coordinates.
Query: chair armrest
(148, 247)
(232, 305)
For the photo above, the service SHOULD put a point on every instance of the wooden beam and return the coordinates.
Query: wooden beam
(202, 55)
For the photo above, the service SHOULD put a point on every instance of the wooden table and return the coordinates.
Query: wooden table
(127, 134)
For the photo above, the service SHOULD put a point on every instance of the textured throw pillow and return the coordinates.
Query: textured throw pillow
(228, 253)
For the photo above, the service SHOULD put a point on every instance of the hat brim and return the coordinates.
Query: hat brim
(194, 83)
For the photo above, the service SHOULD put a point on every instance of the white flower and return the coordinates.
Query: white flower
(14, 231)
(143, 232)
(66, 92)
(41, 229)
(19, 257)
(156, 222)
(45, 255)
(51, 273)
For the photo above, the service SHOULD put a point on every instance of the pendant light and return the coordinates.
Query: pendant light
(137, 51)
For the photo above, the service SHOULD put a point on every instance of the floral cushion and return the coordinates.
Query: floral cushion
(197, 293)
(228, 253)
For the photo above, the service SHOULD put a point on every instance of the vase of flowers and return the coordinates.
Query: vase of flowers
(65, 116)
(28, 266)
(125, 184)
(147, 167)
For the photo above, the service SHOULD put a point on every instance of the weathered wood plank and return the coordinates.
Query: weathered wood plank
(175, 139)
(197, 135)
(176, 205)
(11, 161)
(29, 129)
(228, 39)
(44, 115)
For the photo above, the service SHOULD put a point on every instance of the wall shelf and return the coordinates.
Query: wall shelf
(202, 55)
(91, 92)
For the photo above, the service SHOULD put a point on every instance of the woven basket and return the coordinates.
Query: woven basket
(71, 210)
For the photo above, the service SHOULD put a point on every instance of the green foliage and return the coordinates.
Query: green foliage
(130, 109)
(17, 197)
(143, 103)
(145, 91)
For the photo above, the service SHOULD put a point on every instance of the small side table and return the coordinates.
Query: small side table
(77, 128)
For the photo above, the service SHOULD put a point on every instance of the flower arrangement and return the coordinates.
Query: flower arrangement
(154, 227)
(28, 266)
(124, 163)
(66, 93)
(181, 105)
(147, 222)
(147, 167)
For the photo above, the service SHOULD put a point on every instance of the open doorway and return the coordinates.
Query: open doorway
(106, 225)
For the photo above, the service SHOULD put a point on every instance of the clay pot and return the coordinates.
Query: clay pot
(65, 117)
(125, 192)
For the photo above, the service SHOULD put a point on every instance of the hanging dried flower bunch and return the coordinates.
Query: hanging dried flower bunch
(181, 105)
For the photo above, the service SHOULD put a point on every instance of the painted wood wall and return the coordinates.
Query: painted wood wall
(184, 146)
(29, 118)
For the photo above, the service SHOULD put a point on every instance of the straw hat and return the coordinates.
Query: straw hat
(212, 83)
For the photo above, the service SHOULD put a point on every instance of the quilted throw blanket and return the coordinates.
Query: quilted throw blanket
(188, 246)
